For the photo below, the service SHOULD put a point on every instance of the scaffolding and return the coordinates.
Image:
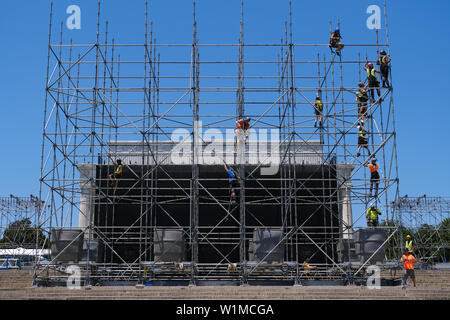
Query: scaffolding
(138, 102)
(427, 220)
(16, 215)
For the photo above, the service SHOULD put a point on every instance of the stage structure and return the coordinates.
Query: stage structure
(17, 217)
(168, 111)
(427, 220)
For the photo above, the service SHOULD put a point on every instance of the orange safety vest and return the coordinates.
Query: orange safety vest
(408, 261)
(373, 168)
(240, 124)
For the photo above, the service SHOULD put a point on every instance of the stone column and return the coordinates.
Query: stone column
(87, 177)
(344, 171)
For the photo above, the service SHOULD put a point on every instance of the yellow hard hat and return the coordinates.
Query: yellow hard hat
(408, 236)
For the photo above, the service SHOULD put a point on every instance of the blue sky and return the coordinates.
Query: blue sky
(420, 46)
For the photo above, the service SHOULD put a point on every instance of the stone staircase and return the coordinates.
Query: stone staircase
(227, 293)
(431, 285)
(15, 279)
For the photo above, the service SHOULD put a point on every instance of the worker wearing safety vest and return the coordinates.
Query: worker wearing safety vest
(372, 216)
(383, 62)
(409, 244)
(363, 140)
(408, 265)
(373, 82)
(374, 176)
(231, 182)
(117, 173)
(318, 107)
(361, 100)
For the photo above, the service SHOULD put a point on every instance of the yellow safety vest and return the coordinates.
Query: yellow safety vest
(362, 133)
(373, 214)
(371, 73)
(409, 245)
(319, 105)
(119, 169)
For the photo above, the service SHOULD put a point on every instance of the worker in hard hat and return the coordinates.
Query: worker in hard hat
(409, 244)
(242, 129)
(363, 140)
(335, 42)
(383, 61)
(373, 82)
(408, 265)
(374, 176)
(361, 100)
(318, 108)
(372, 216)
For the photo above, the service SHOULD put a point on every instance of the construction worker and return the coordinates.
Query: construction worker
(318, 107)
(232, 267)
(363, 140)
(373, 82)
(117, 175)
(409, 244)
(408, 265)
(241, 130)
(307, 267)
(383, 61)
(372, 216)
(361, 99)
(374, 176)
(335, 42)
(232, 182)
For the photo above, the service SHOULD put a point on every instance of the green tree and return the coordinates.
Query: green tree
(21, 233)
(394, 245)
(444, 234)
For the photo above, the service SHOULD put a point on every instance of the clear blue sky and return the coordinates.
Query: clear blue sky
(420, 46)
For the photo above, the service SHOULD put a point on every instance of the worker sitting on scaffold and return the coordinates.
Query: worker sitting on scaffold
(335, 42)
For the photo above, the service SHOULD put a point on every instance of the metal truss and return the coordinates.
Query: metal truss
(107, 97)
(427, 220)
(14, 214)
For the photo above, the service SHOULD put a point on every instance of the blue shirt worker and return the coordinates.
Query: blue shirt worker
(231, 182)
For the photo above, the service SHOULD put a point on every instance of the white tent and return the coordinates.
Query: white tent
(24, 252)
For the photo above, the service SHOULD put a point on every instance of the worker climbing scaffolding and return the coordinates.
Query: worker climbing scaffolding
(361, 100)
(373, 82)
(374, 176)
(318, 109)
(232, 183)
(117, 175)
(242, 130)
(383, 61)
(335, 42)
(363, 140)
